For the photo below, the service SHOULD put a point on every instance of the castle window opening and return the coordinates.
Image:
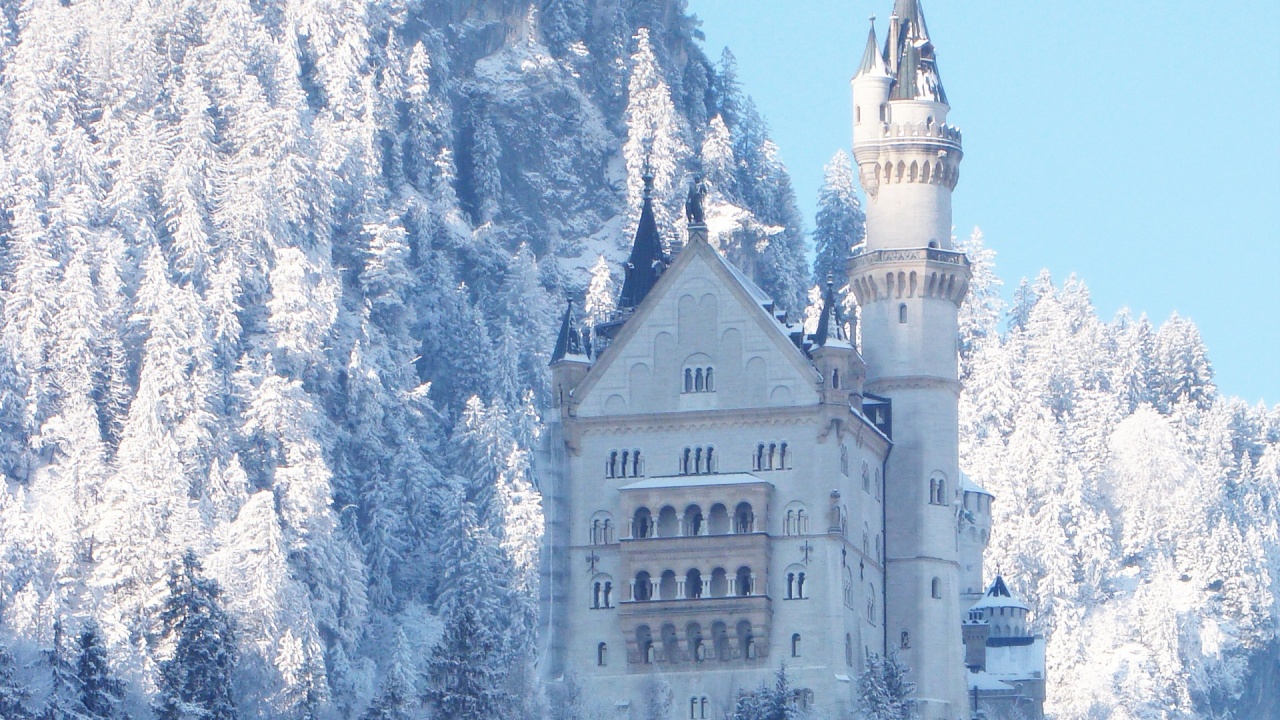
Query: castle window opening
(835, 379)
(795, 645)
(644, 642)
(699, 379)
(693, 636)
(744, 519)
(746, 640)
(935, 589)
(642, 587)
(602, 655)
(719, 583)
(693, 584)
(693, 522)
(902, 314)
(642, 524)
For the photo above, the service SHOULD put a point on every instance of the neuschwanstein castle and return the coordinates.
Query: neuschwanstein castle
(728, 493)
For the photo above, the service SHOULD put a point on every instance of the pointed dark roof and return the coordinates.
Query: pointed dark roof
(910, 57)
(998, 596)
(872, 62)
(830, 329)
(647, 259)
(568, 341)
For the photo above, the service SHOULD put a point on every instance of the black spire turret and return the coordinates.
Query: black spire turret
(568, 342)
(647, 261)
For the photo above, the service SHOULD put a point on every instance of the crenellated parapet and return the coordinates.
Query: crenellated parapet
(878, 275)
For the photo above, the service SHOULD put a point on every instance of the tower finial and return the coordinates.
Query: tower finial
(646, 174)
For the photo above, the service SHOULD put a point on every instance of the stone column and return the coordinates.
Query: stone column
(680, 589)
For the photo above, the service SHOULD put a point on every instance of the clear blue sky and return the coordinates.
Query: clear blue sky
(1135, 144)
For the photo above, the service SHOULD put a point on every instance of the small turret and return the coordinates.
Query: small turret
(569, 361)
(833, 354)
(871, 85)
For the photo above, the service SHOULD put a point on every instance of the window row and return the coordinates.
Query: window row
(668, 648)
(623, 463)
(602, 529)
(601, 593)
(698, 461)
(692, 522)
(693, 585)
(702, 379)
(771, 456)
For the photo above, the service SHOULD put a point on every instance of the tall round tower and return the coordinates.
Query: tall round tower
(909, 282)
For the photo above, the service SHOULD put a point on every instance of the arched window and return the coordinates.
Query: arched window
(642, 524)
(710, 457)
(902, 313)
(866, 478)
(848, 588)
(608, 592)
(782, 456)
(744, 519)
(746, 640)
(693, 522)
(835, 379)
(711, 380)
(857, 114)
(935, 589)
(636, 468)
(693, 584)
(745, 582)
(667, 586)
(699, 384)
(871, 603)
(644, 643)
(596, 590)
(684, 461)
(611, 468)
(697, 462)
(626, 461)
(693, 638)
(802, 521)
(905, 640)
(795, 645)
(757, 462)
(602, 655)
(642, 587)
(791, 586)
(773, 449)
(688, 380)
(800, 586)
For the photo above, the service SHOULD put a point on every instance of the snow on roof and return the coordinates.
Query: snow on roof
(998, 596)
(968, 485)
(983, 681)
(1017, 662)
(675, 481)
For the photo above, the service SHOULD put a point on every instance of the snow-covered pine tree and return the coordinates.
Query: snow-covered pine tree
(14, 696)
(768, 702)
(101, 694)
(840, 224)
(464, 681)
(655, 139)
(602, 293)
(196, 680)
(64, 683)
(884, 693)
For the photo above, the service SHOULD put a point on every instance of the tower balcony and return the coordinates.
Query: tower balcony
(895, 273)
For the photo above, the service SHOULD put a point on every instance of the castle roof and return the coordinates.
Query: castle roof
(998, 596)
(647, 261)
(568, 342)
(678, 481)
(968, 485)
(909, 55)
(872, 63)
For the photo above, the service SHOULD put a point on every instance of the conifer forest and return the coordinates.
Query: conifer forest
(279, 284)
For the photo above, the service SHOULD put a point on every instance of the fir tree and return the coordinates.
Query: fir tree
(463, 677)
(13, 695)
(884, 693)
(196, 682)
(768, 702)
(840, 224)
(602, 295)
(64, 687)
(101, 694)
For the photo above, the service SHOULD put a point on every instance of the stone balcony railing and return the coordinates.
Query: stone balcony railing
(948, 257)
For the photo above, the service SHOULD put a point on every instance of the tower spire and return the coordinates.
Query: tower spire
(872, 60)
(647, 261)
(910, 55)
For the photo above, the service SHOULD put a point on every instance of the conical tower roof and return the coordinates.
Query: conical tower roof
(998, 596)
(872, 62)
(647, 260)
(910, 56)
(830, 329)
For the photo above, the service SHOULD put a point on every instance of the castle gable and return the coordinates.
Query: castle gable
(701, 340)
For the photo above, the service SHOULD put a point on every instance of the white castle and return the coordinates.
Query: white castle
(726, 493)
